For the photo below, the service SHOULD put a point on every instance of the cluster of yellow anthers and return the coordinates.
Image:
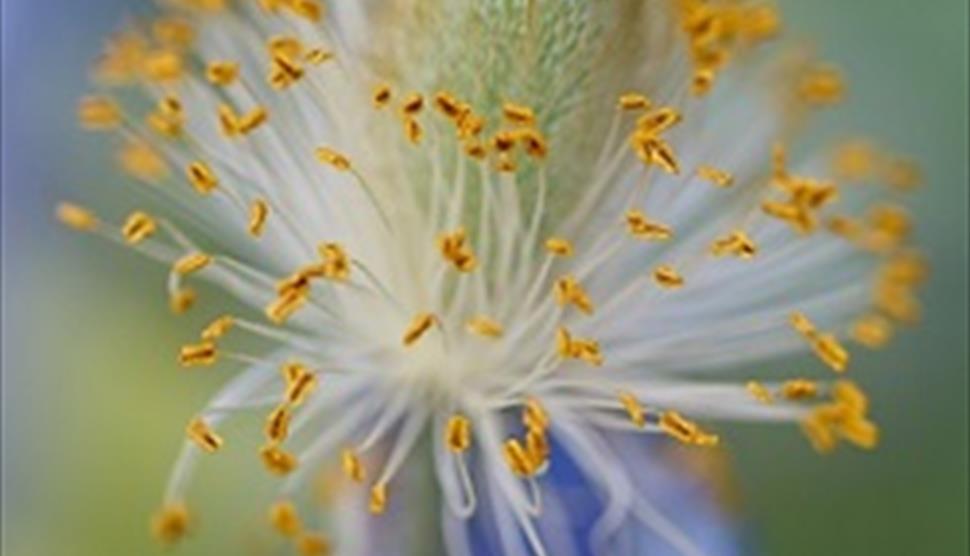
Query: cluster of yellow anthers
(495, 140)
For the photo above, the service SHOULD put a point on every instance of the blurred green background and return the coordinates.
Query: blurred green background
(94, 406)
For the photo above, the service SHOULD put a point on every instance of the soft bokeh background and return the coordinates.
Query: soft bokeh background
(93, 404)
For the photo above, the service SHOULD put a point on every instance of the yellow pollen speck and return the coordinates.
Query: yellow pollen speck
(202, 178)
(378, 499)
(77, 217)
(352, 466)
(559, 247)
(193, 262)
(258, 213)
(222, 73)
(412, 104)
(317, 56)
(138, 227)
(419, 325)
(284, 518)
(203, 354)
(484, 326)
(759, 392)
(276, 460)
(173, 32)
(718, 177)
(413, 130)
(458, 434)
(171, 523)
(667, 277)
(98, 113)
(163, 66)
(381, 96)
(203, 436)
(821, 86)
(333, 158)
(139, 160)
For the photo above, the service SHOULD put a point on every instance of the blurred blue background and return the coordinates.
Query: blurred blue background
(93, 406)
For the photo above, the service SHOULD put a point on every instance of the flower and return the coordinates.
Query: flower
(513, 228)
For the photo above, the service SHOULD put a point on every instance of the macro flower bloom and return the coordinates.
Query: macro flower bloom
(479, 234)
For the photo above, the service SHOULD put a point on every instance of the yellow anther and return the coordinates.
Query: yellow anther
(860, 431)
(173, 32)
(277, 426)
(559, 247)
(228, 120)
(657, 121)
(716, 176)
(381, 95)
(285, 46)
(802, 324)
(168, 118)
(163, 66)
(736, 243)
(854, 160)
(454, 249)
(222, 73)
(641, 227)
(533, 142)
(170, 523)
(534, 415)
(897, 301)
(284, 71)
(484, 326)
(313, 544)
(568, 290)
(317, 56)
(634, 101)
(202, 178)
(182, 300)
(578, 348)
(333, 158)
(799, 389)
(798, 217)
(212, 6)
(458, 434)
(537, 449)
(469, 125)
(448, 105)
(845, 227)
(336, 261)
(120, 62)
(667, 277)
(850, 396)
(311, 10)
(300, 385)
(258, 213)
(139, 160)
(504, 141)
(378, 499)
(821, 86)
(218, 328)
(412, 104)
(873, 331)
(476, 149)
(138, 227)
(418, 326)
(413, 130)
(907, 268)
(518, 114)
(252, 120)
(702, 80)
(283, 307)
(819, 432)
(759, 392)
(779, 163)
(352, 466)
(203, 354)
(685, 431)
(203, 436)
(98, 113)
(831, 352)
(284, 518)
(518, 459)
(902, 174)
(193, 262)
(505, 162)
(276, 460)
(654, 151)
(77, 217)
(633, 408)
